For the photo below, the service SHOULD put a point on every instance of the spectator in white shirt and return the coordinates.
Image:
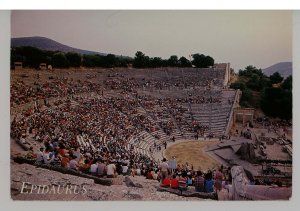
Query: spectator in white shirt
(94, 167)
(40, 155)
(46, 156)
(124, 169)
(111, 169)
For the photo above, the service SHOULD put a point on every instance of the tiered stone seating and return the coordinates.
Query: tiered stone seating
(215, 115)
(172, 99)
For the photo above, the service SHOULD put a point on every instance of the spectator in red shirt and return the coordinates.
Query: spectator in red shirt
(61, 149)
(166, 182)
(149, 174)
(174, 182)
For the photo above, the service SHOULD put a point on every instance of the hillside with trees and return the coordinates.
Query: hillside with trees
(32, 57)
(284, 68)
(47, 44)
(272, 95)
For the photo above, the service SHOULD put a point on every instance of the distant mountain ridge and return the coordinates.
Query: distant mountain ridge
(44, 43)
(284, 68)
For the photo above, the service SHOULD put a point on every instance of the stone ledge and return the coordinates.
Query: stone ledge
(189, 193)
(63, 170)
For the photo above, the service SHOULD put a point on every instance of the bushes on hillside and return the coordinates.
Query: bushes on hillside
(277, 102)
(274, 101)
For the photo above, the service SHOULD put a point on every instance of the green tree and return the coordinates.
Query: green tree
(124, 61)
(184, 62)
(254, 82)
(74, 59)
(246, 98)
(173, 61)
(276, 78)
(238, 85)
(156, 62)
(141, 60)
(32, 57)
(265, 82)
(93, 60)
(198, 60)
(202, 61)
(277, 102)
(99, 60)
(288, 83)
(254, 78)
(250, 70)
(59, 60)
(15, 58)
(87, 61)
(110, 60)
(209, 61)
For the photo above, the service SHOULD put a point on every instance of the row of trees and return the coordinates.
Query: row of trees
(199, 60)
(271, 94)
(32, 57)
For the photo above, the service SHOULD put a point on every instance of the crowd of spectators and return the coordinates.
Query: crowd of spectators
(102, 124)
(168, 173)
(20, 93)
(185, 177)
(92, 133)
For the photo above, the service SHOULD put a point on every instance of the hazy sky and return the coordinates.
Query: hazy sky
(260, 38)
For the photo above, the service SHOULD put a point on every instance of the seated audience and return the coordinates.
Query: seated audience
(174, 182)
(94, 167)
(111, 169)
(182, 183)
(199, 182)
(102, 168)
(166, 182)
(85, 168)
(73, 164)
(208, 182)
